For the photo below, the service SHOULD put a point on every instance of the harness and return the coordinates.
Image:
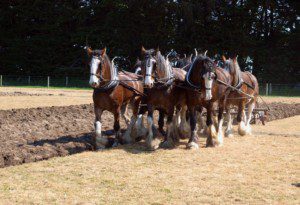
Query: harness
(114, 82)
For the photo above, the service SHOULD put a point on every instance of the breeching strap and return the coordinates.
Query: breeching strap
(232, 87)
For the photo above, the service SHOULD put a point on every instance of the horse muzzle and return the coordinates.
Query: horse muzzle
(94, 81)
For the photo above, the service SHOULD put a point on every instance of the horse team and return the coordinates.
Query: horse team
(180, 94)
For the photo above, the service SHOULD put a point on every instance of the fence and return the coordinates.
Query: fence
(82, 82)
(44, 81)
(279, 89)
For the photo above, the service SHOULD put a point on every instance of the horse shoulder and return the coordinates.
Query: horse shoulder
(179, 74)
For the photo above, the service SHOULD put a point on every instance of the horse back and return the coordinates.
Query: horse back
(179, 74)
(223, 75)
(251, 80)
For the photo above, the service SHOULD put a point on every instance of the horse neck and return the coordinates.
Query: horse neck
(108, 71)
(195, 73)
(235, 72)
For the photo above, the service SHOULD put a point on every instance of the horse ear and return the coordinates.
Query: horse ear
(196, 52)
(223, 58)
(103, 51)
(235, 58)
(89, 51)
(143, 50)
(157, 50)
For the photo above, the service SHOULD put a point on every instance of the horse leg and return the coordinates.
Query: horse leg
(248, 117)
(161, 122)
(131, 133)
(193, 141)
(228, 132)
(211, 130)
(184, 127)
(117, 128)
(152, 142)
(240, 117)
(220, 122)
(200, 120)
(168, 139)
(139, 126)
(124, 114)
(100, 142)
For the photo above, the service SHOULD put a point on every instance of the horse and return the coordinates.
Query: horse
(113, 91)
(160, 81)
(204, 91)
(248, 84)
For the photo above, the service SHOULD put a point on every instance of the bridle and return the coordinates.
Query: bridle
(202, 73)
(100, 73)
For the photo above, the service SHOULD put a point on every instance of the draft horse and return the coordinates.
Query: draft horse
(245, 83)
(113, 91)
(204, 92)
(160, 81)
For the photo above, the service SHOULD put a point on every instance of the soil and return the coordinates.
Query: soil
(34, 134)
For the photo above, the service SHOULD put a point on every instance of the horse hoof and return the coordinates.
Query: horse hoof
(242, 129)
(248, 130)
(127, 139)
(192, 145)
(228, 134)
(154, 145)
(100, 149)
(115, 144)
(213, 143)
(167, 145)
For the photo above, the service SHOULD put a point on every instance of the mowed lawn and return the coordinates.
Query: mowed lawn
(260, 169)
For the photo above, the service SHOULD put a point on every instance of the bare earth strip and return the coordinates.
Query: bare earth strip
(259, 169)
(58, 98)
(64, 97)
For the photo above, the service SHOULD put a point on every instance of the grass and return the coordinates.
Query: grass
(258, 169)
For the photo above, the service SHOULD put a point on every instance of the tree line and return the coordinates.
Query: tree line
(46, 37)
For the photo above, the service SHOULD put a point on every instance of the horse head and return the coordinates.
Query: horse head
(232, 66)
(205, 72)
(100, 66)
(148, 66)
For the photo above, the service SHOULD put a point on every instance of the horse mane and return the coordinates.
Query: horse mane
(235, 71)
(112, 68)
(163, 64)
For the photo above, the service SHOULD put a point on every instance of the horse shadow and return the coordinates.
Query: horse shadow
(73, 144)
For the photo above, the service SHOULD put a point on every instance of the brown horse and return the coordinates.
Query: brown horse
(202, 78)
(113, 91)
(247, 83)
(160, 81)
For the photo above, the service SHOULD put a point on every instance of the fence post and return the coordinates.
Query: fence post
(67, 81)
(0, 80)
(28, 80)
(267, 88)
(270, 88)
(48, 81)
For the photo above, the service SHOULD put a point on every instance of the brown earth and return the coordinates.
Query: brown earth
(41, 133)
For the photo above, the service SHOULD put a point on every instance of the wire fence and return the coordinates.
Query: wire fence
(44, 81)
(82, 82)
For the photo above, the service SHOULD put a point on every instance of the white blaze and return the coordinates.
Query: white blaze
(149, 68)
(208, 86)
(137, 70)
(94, 67)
